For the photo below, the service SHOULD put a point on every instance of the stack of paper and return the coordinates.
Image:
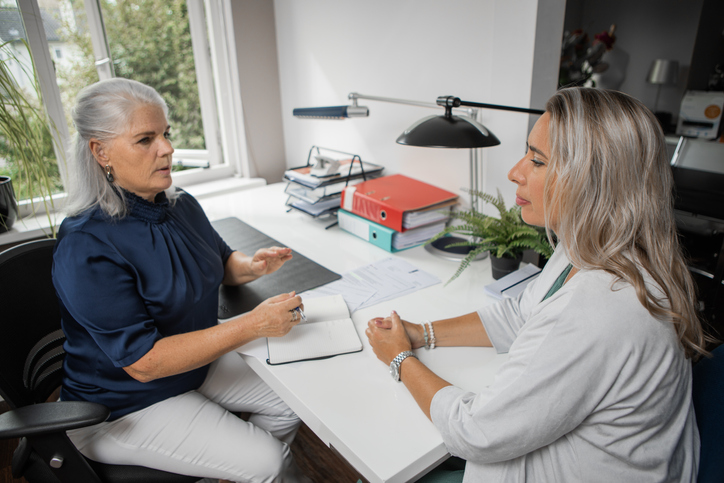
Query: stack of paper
(416, 236)
(374, 283)
(314, 195)
(434, 214)
(316, 209)
(304, 177)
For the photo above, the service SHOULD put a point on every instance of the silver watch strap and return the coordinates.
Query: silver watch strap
(402, 356)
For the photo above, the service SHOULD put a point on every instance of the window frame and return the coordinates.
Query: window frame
(213, 44)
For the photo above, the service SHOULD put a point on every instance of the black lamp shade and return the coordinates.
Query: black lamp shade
(448, 131)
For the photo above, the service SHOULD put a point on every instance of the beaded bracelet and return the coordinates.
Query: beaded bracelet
(432, 337)
(424, 327)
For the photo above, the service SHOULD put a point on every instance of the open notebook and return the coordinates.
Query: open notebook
(328, 331)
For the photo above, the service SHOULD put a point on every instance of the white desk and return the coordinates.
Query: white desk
(350, 401)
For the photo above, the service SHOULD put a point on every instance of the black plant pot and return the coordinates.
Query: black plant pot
(503, 266)
(8, 205)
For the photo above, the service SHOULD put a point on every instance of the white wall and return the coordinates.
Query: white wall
(478, 50)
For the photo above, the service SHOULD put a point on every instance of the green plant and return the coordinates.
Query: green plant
(505, 237)
(25, 134)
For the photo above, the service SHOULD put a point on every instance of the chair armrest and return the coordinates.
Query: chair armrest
(52, 417)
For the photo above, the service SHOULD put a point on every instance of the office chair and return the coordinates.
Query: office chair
(31, 369)
(708, 395)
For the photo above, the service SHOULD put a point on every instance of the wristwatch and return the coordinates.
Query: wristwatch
(397, 361)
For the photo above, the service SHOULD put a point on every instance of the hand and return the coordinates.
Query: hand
(415, 332)
(275, 316)
(269, 260)
(388, 337)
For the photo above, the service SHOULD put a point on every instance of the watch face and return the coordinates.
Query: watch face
(395, 371)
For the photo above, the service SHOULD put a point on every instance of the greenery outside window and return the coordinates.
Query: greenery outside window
(183, 48)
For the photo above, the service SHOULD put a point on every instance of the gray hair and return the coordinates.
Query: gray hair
(610, 186)
(102, 111)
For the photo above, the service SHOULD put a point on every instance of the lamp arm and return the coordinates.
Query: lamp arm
(451, 101)
(353, 96)
(501, 108)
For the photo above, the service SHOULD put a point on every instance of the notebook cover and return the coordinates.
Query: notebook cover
(299, 273)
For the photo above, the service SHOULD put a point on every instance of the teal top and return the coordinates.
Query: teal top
(559, 281)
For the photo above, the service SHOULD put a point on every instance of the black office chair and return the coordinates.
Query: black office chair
(708, 395)
(31, 369)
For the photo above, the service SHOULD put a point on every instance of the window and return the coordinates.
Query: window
(183, 48)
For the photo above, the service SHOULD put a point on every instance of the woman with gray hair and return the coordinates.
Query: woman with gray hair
(597, 384)
(137, 268)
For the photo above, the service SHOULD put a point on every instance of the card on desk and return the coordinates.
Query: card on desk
(328, 331)
(514, 283)
(298, 274)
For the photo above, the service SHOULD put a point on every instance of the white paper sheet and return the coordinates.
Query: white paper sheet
(377, 282)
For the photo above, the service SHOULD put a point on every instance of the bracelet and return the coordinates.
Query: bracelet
(432, 337)
(424, 328)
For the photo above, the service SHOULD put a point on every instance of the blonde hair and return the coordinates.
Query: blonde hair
(614, 201)
(103, 111)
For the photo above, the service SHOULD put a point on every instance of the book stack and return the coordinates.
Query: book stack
(395, 212)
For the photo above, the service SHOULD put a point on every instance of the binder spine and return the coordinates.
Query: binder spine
(371, 209)
(352, 225)
(378, 235)
(364, 206)
(368, 208)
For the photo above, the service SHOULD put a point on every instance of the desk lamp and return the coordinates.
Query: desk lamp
(662, 72)
(445, 131)
(449, 131)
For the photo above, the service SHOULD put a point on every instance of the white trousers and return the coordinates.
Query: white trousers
(196, 433)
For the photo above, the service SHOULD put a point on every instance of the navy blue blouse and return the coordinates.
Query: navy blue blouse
(123, 285)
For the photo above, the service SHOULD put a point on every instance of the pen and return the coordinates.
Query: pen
(301, 313)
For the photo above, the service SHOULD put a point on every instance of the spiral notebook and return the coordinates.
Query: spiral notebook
(328, 331)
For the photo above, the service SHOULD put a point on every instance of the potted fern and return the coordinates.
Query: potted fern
(26, 139)
(506, 237)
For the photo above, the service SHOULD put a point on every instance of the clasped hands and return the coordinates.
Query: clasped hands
(391, 335)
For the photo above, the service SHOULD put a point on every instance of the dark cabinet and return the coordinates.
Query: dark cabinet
(698, 169)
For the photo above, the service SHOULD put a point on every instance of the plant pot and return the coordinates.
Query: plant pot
(503, 266)
(8, 205)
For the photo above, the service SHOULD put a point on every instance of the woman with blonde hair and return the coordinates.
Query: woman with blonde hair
(597, 385)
